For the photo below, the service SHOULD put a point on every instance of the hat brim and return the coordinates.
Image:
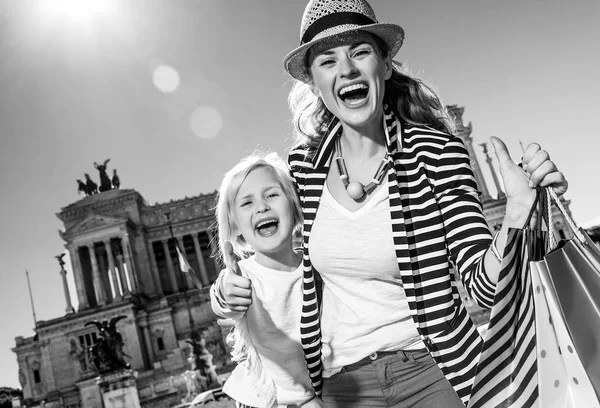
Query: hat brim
(391, 34)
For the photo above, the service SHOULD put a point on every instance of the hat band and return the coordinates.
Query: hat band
(333, 20)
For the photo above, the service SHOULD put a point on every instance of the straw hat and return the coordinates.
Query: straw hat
(325, 19)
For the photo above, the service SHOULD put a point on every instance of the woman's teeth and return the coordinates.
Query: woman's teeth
(354, 94)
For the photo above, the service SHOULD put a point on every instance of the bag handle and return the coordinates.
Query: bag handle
(533, 208)
(551, 196)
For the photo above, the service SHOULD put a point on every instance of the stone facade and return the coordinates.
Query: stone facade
(125, 262)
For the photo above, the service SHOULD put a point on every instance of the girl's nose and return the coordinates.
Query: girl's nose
(262, 206)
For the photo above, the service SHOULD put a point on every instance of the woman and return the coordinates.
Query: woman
(391, 206)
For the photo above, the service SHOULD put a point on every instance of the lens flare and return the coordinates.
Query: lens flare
(206, 122)
(165, 78)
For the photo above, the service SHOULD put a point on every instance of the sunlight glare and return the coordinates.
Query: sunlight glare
(165, 78)
(206, 122)
(76, 10)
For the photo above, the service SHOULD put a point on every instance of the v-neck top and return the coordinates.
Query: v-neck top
(349, 248)
(380, 194)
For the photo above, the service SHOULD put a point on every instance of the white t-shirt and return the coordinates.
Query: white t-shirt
(364, 307)
(273, 322)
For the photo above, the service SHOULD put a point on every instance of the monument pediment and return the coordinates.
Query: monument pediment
(94, 223)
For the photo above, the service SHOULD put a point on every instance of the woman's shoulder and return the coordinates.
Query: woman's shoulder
(300, 155)
(426, 137)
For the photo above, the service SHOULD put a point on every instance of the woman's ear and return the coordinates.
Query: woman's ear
(388, 67)
(314, 89)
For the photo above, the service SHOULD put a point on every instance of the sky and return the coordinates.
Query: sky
(176, 92)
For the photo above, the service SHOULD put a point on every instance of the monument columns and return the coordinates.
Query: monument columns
(63, 273)
(148, 341)
(203, 274)
(129, 262)
(188, 279)
(111, 267)
(78, 277)
(155, 270)
(123, 278)
(170, 266)
(213, 247)
(98, 283)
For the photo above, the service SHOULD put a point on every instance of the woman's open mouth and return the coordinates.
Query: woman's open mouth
(354, 95)
(267, 227)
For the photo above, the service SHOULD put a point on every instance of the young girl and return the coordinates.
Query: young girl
(258, 211)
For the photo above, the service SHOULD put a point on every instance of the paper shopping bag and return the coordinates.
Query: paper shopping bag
(562, 379)
(574, 270)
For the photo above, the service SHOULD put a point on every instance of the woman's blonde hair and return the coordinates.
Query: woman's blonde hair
(410, 98)
(230, 186)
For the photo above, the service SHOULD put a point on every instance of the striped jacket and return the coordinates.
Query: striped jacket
(437, 224)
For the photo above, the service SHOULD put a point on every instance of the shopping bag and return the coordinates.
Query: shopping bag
(562, 380)
(507, 370)
(573, 269)
(541, 345)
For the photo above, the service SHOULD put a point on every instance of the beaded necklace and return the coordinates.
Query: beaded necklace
(354, 188)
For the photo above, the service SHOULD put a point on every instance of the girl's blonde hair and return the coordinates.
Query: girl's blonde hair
(230, 186)
(411, 99)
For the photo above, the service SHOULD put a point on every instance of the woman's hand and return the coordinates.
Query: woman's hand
(235, 289)
(520, 183)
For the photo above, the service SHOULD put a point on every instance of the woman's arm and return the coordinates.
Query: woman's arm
(467, 233)
(231, 293)
(520, 183)
(218, 303)
(470, 247)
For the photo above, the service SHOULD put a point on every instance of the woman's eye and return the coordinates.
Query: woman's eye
(326, 62)
(362, 52)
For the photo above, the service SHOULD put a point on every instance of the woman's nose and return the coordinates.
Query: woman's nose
(347, 67)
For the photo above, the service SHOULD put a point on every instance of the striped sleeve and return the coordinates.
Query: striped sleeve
(467, 233)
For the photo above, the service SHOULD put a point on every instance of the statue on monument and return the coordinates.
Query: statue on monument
(104, 179)
(78, 355)
(90, 186)
(107, 354)
(116, 181)
(81, 188)
(202, 360)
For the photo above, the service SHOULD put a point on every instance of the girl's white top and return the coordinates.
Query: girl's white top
(273, 322)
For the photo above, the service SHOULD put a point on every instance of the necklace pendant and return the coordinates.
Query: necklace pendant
(355, 190)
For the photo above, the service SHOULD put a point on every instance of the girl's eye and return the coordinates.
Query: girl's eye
(272, 195)
(245, 203)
